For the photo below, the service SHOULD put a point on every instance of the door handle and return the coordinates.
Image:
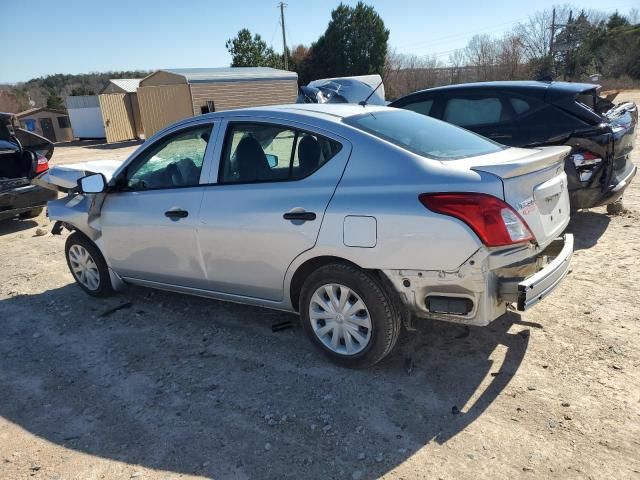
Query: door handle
(301, 216)
(176, 214)
(499, 135)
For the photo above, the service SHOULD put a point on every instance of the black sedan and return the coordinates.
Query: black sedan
(23, 155)
(530, 114)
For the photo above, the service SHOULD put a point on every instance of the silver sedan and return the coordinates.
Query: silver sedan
(363, 220)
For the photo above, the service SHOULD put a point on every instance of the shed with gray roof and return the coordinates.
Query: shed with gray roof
(169, 95)
(121, 110)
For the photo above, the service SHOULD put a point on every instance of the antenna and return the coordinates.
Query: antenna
(364, 102)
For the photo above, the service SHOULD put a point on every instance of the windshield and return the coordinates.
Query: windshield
(423, 135)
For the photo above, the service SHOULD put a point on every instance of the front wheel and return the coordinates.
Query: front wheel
(347, 314)
(87, 265)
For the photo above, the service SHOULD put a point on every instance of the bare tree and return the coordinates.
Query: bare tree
(535, 33)
(457, 62)
(481, 53)
(510, 57)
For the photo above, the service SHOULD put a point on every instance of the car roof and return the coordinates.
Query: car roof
(326, 111)
(531, 85)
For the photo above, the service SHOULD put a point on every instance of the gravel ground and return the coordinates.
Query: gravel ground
(171, 386)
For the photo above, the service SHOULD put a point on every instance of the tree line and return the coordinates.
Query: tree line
(50, 90)
(567, 44)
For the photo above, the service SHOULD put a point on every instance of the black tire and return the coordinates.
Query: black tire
(104, 288)
(31, 213)
(385, 320)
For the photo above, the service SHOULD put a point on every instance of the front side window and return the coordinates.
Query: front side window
(468, 112)
(423, 135)
(175, 161)
(261, 152)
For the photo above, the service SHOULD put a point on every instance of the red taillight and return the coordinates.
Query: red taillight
(495, 222)
(585, 162)
(42, 165)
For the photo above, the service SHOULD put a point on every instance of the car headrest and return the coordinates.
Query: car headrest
(308, 154)
(251, 160)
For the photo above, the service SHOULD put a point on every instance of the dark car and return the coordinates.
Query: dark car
(23, 155)
(530, 114)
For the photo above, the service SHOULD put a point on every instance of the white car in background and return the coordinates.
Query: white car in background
(359, 218)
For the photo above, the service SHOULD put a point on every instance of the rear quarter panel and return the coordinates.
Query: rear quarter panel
(384, 181)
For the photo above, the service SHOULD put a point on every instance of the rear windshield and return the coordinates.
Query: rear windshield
(423, 135)
(587, 99)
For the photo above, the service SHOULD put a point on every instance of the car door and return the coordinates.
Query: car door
(486, 113)
(275, 180)
(149, 220)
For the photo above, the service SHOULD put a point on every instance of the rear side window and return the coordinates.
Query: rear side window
(423, 135)
(469, 112)
(423, 107)
(261, 152)
(519, 105)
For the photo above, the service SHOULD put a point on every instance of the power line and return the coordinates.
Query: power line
(445, 38)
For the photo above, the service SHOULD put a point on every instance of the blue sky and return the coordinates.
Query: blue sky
(42, 37)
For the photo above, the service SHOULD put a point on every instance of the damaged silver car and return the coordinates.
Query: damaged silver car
(362, 219)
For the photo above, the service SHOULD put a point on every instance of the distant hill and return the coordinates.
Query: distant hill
(52, 89)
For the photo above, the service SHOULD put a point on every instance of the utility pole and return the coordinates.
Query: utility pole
(553, 32)
(284, 37)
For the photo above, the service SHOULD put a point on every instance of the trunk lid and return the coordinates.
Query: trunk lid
(535, 185)
(65, 177)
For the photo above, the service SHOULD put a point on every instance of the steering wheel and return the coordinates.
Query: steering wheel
(175, 175)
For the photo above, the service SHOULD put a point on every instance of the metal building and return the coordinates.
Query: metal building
(85, 116)
(120, 110)
(167, 96)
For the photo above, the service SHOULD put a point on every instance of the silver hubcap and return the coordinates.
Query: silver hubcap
(340, 319)
(84, 268)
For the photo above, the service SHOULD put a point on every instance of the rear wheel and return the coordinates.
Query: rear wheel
(32, 213)
(87, 265)
(348, 315)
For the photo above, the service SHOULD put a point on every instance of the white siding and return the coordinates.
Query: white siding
(87, 122)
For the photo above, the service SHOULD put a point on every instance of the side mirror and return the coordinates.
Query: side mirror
(272, 160)
(94, 183)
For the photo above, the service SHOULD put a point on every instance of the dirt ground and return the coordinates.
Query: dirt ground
(172, 386)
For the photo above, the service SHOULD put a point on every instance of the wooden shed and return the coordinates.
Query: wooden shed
(120, 110)
(47, 122)
(167, 96)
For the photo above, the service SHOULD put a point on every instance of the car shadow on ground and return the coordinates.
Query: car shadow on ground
(195, 386)
(587, 228)
(16, 225)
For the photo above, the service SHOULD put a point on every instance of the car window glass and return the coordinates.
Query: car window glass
(175, 162)
(423, 107)
(519, 106)
(423, 135)
(467, 112)
(267, 153)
